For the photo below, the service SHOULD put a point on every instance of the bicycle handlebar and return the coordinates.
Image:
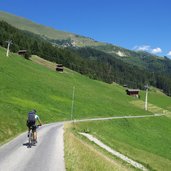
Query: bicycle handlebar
(38, 125)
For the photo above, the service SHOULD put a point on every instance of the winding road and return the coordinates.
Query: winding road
(47, 155)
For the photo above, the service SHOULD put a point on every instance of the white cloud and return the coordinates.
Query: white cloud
(148, 48)
(169, 53)
(156, 50)
(142, 48)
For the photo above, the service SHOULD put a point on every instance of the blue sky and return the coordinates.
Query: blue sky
(133, 24)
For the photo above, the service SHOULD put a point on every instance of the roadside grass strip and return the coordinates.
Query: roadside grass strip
(81, 155)
(115, 153)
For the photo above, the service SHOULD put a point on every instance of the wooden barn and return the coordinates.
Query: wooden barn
(133, 92)
(59, 68)
(22, 52)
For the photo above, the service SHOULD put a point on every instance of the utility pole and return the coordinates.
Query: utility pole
(9, 43)
(146, 98)
(72, 106)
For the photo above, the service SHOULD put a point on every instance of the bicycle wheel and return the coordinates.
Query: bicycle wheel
(30, 139)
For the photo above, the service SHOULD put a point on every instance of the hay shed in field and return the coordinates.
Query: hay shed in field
(22, 52)
(133, 92)
(59, 68)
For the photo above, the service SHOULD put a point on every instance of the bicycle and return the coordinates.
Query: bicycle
(31, 140)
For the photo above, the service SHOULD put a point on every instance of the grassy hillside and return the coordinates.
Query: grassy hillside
(47, 32)
(143, 60)
(83, 155)
(26, 85)
(28, 25)
(145, 140)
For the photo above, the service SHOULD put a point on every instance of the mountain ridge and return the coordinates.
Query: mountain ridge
(55, 34)
(138, 68)
(45, 31)
(67, 39)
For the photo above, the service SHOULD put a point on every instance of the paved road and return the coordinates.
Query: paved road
(47, 155)
(119, 117)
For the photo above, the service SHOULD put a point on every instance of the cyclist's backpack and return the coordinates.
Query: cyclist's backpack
(31, 118)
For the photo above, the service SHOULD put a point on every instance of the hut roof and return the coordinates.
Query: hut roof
(22, 51)
(133, 90)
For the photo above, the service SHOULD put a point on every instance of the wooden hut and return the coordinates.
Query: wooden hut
(22, 52)
(59, 68)
(133, 92)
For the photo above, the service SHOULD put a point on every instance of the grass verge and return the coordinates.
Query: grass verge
(145, 140)
(82, 155)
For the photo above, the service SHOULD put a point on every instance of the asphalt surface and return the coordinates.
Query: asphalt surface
(119, 117)
(47, 155)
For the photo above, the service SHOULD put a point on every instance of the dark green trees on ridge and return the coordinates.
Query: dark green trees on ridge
(88, 61)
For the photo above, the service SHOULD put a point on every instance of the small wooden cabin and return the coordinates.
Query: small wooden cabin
(22, 52)
(59, 68)
(133, 92)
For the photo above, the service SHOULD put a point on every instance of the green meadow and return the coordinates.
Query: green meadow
(34, 84)
(156, 97)
(27, 85)
(146, 140)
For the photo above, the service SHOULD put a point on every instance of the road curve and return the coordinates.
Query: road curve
(47, 155)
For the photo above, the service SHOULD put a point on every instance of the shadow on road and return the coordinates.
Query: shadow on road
(29, 145)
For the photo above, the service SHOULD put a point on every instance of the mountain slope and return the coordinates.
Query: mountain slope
(26, 85)
(141, 59)
(88, 61)
(46, 32)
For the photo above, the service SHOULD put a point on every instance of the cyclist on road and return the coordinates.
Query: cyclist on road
(31, 123)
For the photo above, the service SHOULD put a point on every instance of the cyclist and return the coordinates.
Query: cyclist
(31, 123)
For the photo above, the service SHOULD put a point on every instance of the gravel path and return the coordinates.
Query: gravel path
(117, 154)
